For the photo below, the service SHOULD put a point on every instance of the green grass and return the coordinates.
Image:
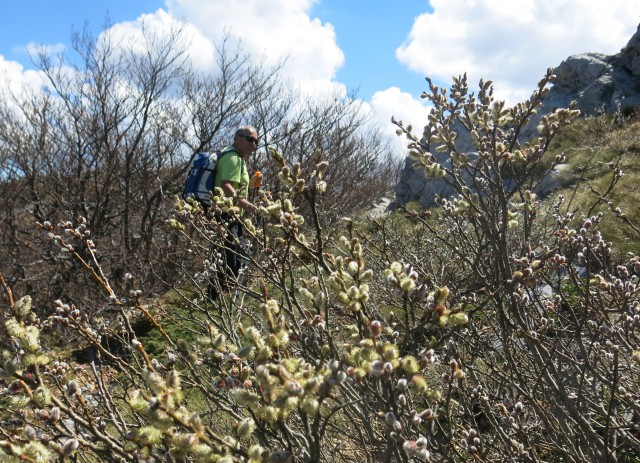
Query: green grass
(592, 147)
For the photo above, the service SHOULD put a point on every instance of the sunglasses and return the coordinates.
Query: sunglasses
(249, 138)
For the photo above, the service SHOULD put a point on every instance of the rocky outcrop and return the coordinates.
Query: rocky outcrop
(597, 83)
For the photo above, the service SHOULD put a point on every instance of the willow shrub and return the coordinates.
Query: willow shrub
(490, 330)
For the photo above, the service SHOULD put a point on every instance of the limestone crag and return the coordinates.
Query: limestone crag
(597, 83)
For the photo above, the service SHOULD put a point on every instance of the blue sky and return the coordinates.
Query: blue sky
(382, 48)
(369, 33)
(378, 27)
(52, 21)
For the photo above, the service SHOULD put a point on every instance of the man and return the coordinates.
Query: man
(232, 177)
(231, 171)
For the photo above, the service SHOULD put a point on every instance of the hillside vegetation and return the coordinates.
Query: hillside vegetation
(603, 156)
(497, 327)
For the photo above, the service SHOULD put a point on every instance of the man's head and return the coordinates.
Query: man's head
(245, 140)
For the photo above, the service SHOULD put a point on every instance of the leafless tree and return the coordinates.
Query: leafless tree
(110, 138)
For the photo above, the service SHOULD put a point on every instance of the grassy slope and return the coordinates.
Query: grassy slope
(593, 148)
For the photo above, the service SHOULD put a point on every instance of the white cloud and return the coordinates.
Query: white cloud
(513, 43)
(275, 30)
(200, 50)
(33, 49)
(14, 78)
(403, 107)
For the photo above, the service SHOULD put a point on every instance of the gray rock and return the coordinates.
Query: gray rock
(598, 83)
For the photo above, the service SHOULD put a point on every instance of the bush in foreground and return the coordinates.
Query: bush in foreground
(492, 329)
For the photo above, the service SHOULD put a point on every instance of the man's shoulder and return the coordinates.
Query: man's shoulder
(228, 153)
(228, 149)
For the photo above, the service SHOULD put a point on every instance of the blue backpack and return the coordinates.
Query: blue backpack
(202, 175)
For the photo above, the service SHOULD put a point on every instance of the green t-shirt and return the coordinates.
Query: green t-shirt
(233, 168)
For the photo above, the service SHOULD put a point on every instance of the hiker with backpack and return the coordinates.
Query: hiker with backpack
(227, 170)
(232, 177)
